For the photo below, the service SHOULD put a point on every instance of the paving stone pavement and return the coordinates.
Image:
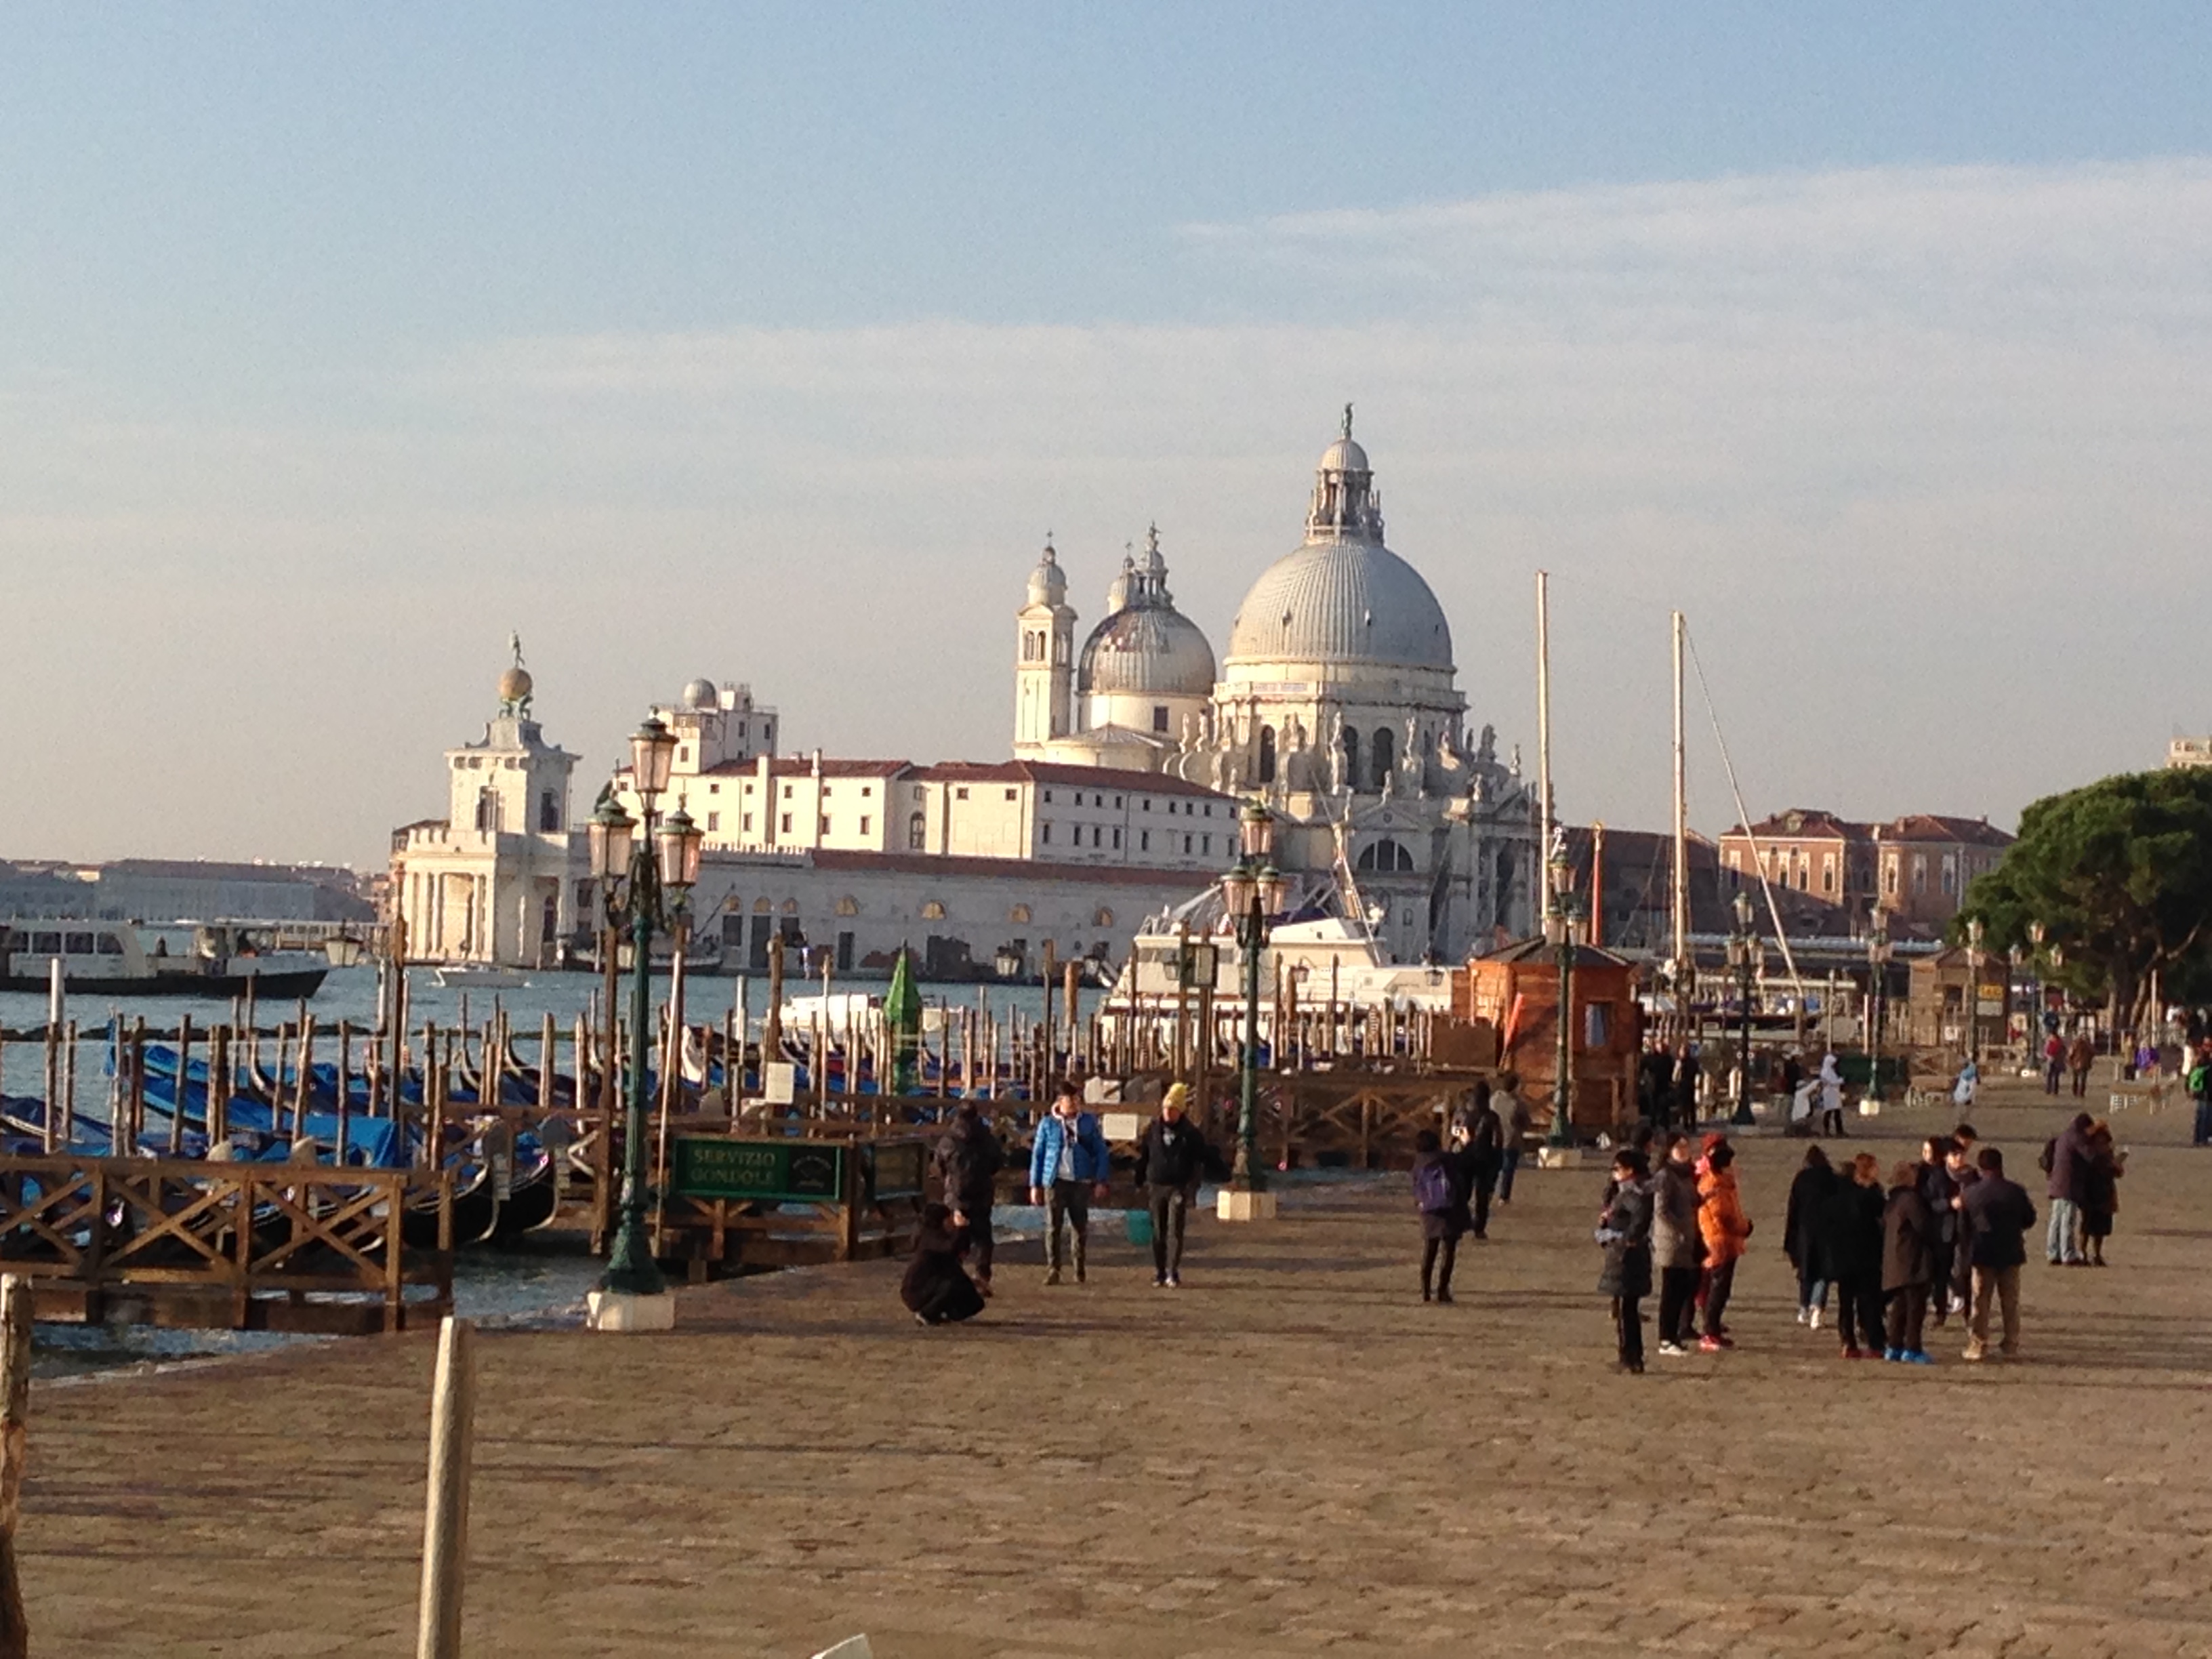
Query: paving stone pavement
(1291, 1456)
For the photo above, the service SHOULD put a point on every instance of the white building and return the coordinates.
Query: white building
(1338, 702)
(494, 880)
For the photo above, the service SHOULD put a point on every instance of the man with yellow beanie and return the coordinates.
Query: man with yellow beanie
(1172, 1159)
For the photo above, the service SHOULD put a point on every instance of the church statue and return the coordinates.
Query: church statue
(1486, 751)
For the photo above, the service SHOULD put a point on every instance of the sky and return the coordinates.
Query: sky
(768, 342)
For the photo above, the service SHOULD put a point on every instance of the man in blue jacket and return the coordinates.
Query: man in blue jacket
(1067, 1169)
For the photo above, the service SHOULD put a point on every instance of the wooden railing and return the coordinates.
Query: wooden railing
(240, 1246)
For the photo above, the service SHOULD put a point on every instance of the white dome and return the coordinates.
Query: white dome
(1338, 601)
(699, 693)
(1344, 455)
(1048, 582)
(1147, 649)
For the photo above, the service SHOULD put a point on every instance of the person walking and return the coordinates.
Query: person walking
(2080, 1055)
(1967, 1087)
(2200, 1088)
(2100, 1190)
(936, 1289)
(1815, 1183)
(1442, 1182)
(1655, 1083)
(1849, 1228)
(1908, 1267)
(1832, 1097)
(2001, 1213)
(1674, 1246)
(2067, 1161)
(1485, 1152)
(1726, 1231)
(968, 1157)
(2054, 1062)
(1939, 1194)
(1687, 1068)
(1172, 1158)
(1068, 1167)
(1958, 1165)
(1625, 1231)
(1514, 1113)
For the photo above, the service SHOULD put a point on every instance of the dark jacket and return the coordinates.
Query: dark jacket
(1936, 1190)
(970, 1158)
(1458, 1219)
(1814, 1185)
(2100, 1182)
(1907, 1234)
(2070, 1160)
(1847, 1233)
(1998, 1214)
(1628, 1253)
(936, 1284)
(1674, 1240)
(1171, 1154)
(1485, 1143)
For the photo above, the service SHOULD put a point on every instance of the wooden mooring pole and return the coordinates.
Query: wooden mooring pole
(446, 1508)
(14, 1442)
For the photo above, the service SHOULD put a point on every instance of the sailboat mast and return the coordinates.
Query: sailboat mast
(1681, 884)
(1543, 737)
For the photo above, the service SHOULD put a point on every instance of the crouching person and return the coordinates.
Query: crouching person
(937, 1290)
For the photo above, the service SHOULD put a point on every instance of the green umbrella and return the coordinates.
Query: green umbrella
(902, 1015)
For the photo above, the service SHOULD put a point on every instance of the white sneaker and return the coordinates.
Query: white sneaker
(1673, 1349)
(1803, 1313)
(1814, 1321)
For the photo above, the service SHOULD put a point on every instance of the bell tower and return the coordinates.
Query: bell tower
(1045, 658)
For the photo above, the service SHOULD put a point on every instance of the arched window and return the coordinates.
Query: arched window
(1385, 744)
(1352, 757)
(791, 907)
(917, 833)
(1385, 856)
(761, 907)
(549, 812)
(1018, 916)
(932, 911)
(848, 906)
(1267, 753)
(1104, 918)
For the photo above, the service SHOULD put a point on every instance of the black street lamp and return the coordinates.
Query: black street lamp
(1251, 893)
(1560, 933)
(1744, 956)
(643, 886)
(1877, 995)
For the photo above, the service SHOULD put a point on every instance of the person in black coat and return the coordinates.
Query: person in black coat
(1848, 1232)
(1908, 1266)
(1442, 1183)
(1814, 1185)
(968, 1157)
(1485, 1134)
(1932, 1178)
(1998, 1215)
(1172, 1158)
(937, 1290)
(1625, 1231)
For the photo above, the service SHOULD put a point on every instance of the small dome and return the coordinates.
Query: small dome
(1148, 650)
(1048, 582)
(514, 685)
(1344, 455)
(700, 694)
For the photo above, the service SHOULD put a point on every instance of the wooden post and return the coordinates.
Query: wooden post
(14, 1442)
(446, 1508)
(772, 1018)
(137, 1080)
(549, 1053)
(184, 1085)
(1048, 979)
(218, 1092)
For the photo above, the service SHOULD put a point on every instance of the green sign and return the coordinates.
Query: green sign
(773, 1171)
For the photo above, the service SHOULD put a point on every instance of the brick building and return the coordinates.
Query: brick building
(1913, 868)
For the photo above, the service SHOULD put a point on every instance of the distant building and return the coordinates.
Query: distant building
(1914, 869)
(2184, 752)
(164, 891)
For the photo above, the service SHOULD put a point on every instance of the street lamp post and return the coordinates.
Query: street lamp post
(1251, 891)
(642, 887)
(1877, 992)
(1560, 931)
(1743, 957)
(1973, 1010)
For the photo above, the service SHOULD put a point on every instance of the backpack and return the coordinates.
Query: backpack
(2049, 1155)
(1434, 1191)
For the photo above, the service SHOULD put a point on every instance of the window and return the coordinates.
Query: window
(1828, 872)
(713, 822)
(761, 907)
(108, 945)
(1267, 753)
(825, 823)
(1889, 877)
(787, 824)
(1119, 802)
(1159, 717)
(683, 758)
(867, 790)
(1117, 840)
(1186, 845)
(1018, 916)
(1044, 834)
(962, 794)
(1385, 856)
(1919, 872)
(80, 944)
(1950, 874)
(1351, 744)
(1094, 834)
(932, 911)
(1148, 803)
(713, 788)
(1104, 918)
(549, 812)
(1385, 753)
(917, 833)
(825, 792)
(1144, 841)
(747, 825)
(786, 791)
(1208, 848)
(1597, 1024)
(1012, 794)
(848, 906)
(865, 822)
(1048, 798)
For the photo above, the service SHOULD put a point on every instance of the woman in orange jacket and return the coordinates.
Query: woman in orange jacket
(1724, 1227)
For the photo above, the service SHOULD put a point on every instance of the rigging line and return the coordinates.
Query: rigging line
(1743, 815)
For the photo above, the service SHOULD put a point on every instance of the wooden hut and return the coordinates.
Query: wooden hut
(1516, 988)
(1936, 1008)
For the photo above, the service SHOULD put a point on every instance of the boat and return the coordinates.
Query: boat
(107, 958)
(480, 976)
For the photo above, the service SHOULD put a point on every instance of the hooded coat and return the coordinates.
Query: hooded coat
(1628, 1253)
(1814, 1185)
(1721, 1218)
(1848, 1233)
(1675, 1216)
(1907, 1235)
